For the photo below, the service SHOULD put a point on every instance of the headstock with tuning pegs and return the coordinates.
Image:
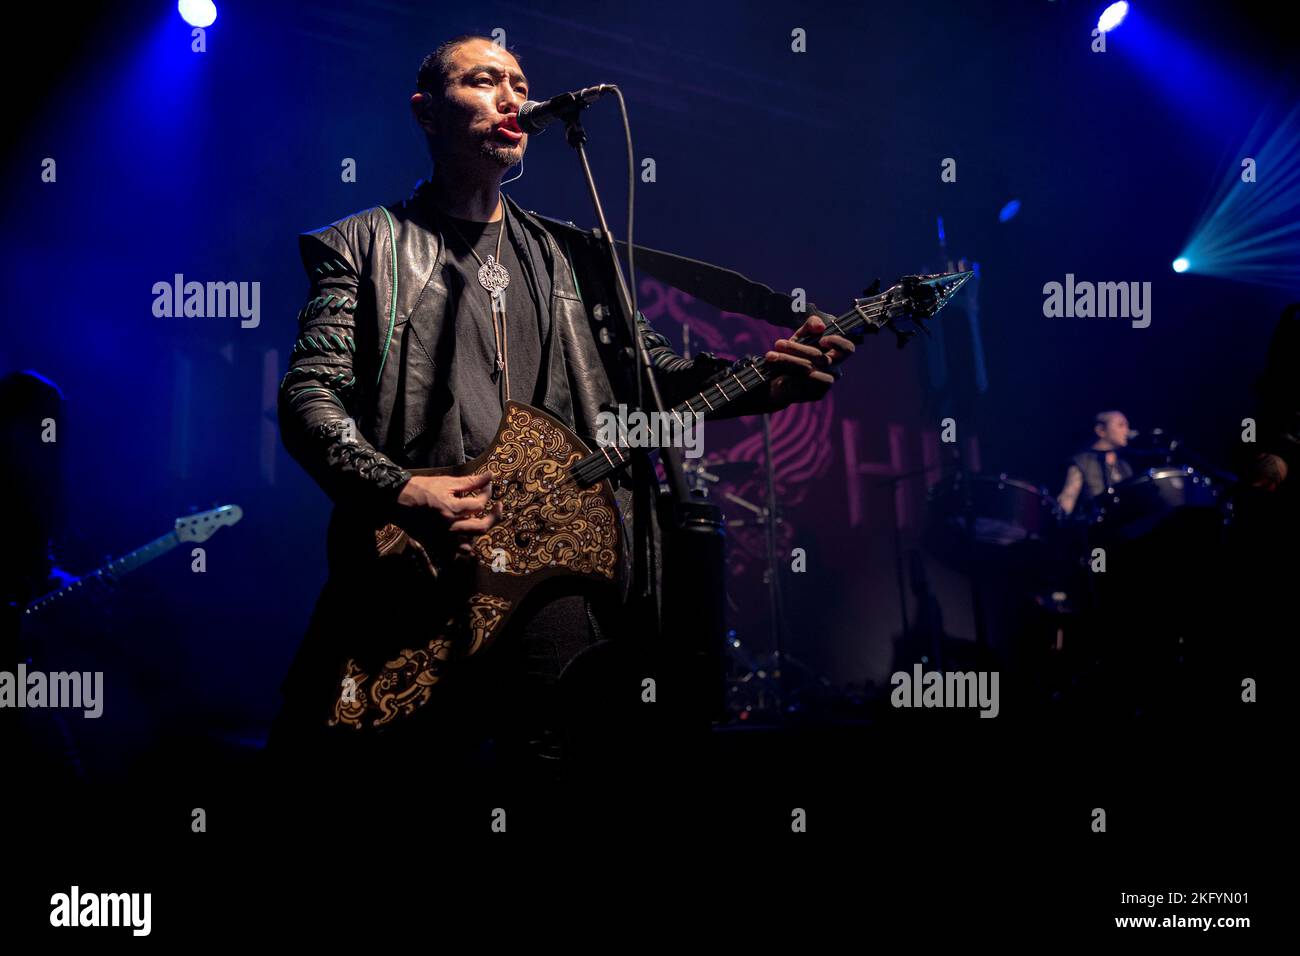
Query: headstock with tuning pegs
(908, 302)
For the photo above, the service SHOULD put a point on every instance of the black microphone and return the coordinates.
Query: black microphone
(533, 117)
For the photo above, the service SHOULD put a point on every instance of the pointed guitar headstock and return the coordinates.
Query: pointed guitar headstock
(904, 306)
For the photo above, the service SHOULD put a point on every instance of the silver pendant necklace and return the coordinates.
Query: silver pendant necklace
(494, 277)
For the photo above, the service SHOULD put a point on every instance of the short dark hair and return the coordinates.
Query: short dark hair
(436, 67)
(1102, 419)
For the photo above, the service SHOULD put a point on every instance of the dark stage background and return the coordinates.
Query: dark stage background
(818, 170)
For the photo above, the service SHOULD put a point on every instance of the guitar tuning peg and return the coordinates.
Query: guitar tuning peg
(872, 289)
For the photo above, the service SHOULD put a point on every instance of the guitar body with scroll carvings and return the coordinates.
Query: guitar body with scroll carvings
(551, 526)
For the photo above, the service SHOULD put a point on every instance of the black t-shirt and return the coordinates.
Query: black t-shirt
(549, 632)
(478, 389)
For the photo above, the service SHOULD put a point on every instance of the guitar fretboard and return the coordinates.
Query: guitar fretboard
(866, 313)
(115, 568)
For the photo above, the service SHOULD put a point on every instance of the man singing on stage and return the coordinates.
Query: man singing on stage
(422, 319)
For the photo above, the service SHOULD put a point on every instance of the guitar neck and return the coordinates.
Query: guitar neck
(115, 568)
(612, 458)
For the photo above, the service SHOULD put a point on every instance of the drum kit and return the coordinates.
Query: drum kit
(1011, 535)
(981, 523)
(968, 513)
(1136, 507)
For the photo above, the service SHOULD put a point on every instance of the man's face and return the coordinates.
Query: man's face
(1114, 429)
(476, 117)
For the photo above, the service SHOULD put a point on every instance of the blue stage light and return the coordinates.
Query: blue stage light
(1250, 230)
(197, 13)
(1181, 264)
(1009, 210)
(1112, 16)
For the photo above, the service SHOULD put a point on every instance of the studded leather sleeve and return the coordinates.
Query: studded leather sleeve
(321, 395)
(682, 377)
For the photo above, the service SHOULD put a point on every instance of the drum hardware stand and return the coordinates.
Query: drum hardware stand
(771, 670)
(968, 508)
(892, 483)
(779, 658)
(976, 600)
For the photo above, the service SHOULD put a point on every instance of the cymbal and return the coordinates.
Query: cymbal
(724, 470)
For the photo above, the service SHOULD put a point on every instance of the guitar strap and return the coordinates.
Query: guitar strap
(719, 287)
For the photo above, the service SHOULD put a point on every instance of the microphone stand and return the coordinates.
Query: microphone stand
(645, 559)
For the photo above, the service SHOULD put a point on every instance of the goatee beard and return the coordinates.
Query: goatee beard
(507, 156)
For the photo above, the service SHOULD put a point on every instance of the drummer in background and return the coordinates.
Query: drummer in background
(1092, 471)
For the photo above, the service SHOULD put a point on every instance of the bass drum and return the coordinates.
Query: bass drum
(990, 511)
(1137, 506)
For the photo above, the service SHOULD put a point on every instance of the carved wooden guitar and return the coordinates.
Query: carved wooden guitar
(559, 518)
